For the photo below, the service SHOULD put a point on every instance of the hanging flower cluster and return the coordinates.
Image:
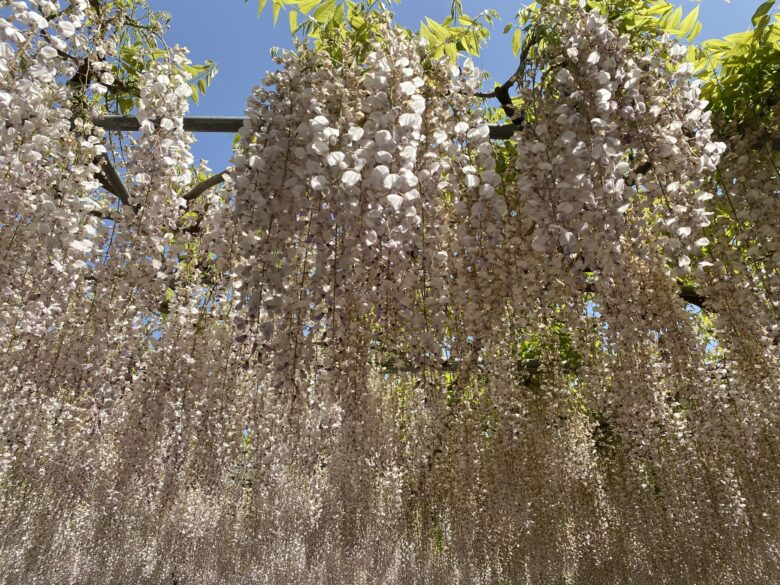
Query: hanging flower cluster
(390, 350)
(49, 171)
(348, 247)
(745, 252)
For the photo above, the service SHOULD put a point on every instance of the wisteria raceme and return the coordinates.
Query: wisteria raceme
(46, 234)
(355, 229)
(389, 350)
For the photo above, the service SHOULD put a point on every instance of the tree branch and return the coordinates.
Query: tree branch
(60, 52)
(690, 295)
(504, 132)
(501, 92)
(204, 186)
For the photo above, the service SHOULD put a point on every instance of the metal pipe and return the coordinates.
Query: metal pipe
(232, 125)
(191, 123)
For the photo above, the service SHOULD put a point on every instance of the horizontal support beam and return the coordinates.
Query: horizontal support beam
(191, 124)
(231, 125)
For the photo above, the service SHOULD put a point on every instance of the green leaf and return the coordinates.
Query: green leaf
(339, 16)
(689, 23)
(356, 20)
(306, 6)
(261, 6)
(195, 97)
(696, 30)
(469, 44)
(438, 30)
(324, 14)
(691, 55)
(277, 9)
(762, 11)
(293, 21)
(451, 51)
(736, 39)
(658, 9)
(674, 19)
(507, 28)
(125, 104)
(426, 33)
(516, 41)
(716, 46)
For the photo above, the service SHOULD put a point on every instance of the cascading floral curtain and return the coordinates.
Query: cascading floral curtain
(389, 349)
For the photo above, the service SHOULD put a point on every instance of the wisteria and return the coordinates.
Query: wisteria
(387, 349)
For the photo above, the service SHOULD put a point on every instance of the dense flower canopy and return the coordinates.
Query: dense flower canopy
(388, 349)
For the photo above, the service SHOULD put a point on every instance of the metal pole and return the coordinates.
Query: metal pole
(191, 123)
(232, 125)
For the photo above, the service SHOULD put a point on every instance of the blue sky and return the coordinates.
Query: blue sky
(230, 33)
